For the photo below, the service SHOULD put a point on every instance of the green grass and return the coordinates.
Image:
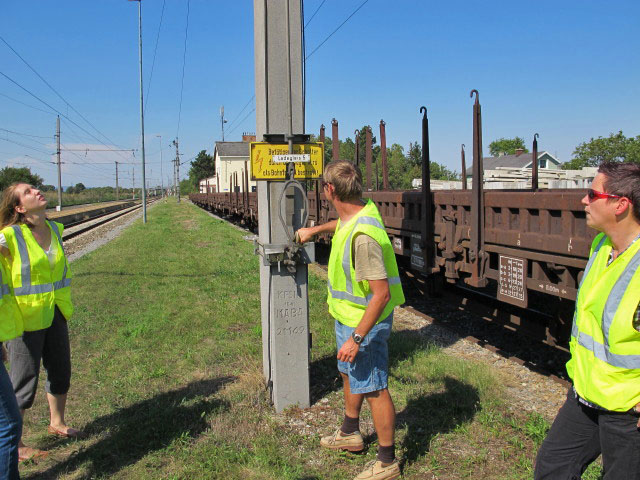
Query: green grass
(167, 376)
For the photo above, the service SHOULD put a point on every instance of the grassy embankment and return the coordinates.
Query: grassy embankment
(167, 376)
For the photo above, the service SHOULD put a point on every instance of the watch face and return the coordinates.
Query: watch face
(356, 338)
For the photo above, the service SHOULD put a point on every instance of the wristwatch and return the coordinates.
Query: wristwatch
(357, 337)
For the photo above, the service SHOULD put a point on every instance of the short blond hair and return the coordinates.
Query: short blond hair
(346, 179)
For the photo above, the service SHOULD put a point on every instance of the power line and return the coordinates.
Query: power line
(314, 14)
(26, 146)
(245, 117)
(184, 61)
(26, 104)
(25, 134)
(243, 109)
(155, 50)
(54, 90)
(55, 110)
(339, 27)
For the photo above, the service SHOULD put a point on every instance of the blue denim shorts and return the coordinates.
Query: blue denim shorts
(370, 369)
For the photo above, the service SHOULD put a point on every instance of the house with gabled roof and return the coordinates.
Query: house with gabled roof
(231, 160)
(519, 160)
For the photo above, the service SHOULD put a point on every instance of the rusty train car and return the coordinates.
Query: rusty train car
(525, 249)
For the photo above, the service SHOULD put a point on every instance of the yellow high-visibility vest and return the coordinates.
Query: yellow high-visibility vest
(347, 298)
(605, 347)
(11, 324)
(37, 287)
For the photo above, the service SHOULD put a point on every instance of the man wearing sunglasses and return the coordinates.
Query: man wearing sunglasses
(363, 289)
(600, 414)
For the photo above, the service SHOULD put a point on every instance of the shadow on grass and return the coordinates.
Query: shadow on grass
(402, 345)
(427, 416)
(135, 431)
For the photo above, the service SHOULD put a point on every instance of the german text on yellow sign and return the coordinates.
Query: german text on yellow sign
(269, 160)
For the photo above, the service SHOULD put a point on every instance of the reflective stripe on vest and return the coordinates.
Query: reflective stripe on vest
(4, 287)
(25, 267)
(602, 351)
(574, 326)
(340, 295)
(346, 265)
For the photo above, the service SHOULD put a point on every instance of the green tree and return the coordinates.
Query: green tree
(440, 172)
(71, 189)
(201, 167)
(79, 187)
(187, 187)
(48, 188)
(9, 175)
(507, 146)
(615, 148)
(415, 153)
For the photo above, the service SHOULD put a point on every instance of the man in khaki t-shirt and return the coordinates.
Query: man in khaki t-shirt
(362, 350)
(367, 259)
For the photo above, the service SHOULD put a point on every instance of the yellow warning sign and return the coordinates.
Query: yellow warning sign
(269, 160)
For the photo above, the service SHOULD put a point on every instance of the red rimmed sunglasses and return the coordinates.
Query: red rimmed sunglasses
(593, 194)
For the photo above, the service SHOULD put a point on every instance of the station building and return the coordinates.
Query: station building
(231, 160)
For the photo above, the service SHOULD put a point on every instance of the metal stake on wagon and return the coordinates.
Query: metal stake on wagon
(476, 251)
(534, 164)
(426, 242)
(335, 145)
(357, 137)
(464, 168)
(367, 157)
(383, 153)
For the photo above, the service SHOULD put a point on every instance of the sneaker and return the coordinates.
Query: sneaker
(341, 441)
(375, 471)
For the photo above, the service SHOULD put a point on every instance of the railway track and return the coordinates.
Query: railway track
(79, 227)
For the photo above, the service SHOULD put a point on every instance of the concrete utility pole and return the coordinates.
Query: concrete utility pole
(117, 189)
(133, 188)
(59, 207)
(222, 120)
(144, 192)
(176, 172)
(161, 177)
(283, 290)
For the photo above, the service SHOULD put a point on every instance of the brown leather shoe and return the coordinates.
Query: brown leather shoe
(341, 441)
(374, 470)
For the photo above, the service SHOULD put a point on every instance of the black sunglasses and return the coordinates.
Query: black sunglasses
(593, 194)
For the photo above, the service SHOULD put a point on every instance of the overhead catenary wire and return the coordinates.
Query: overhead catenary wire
(306, 57)
(54, 90)
(52, 108)
(243, 109)
(25, 134)
(26, 146)
(337, 28)
(155, 51)
(26, 104)
(314, 14)
(245, 117)
(184, 61)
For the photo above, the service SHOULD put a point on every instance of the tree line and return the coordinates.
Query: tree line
(403, 165)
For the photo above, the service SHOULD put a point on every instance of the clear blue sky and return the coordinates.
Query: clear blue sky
(567, 70)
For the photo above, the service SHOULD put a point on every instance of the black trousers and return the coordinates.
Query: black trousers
(51, 346)
(577, 437)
